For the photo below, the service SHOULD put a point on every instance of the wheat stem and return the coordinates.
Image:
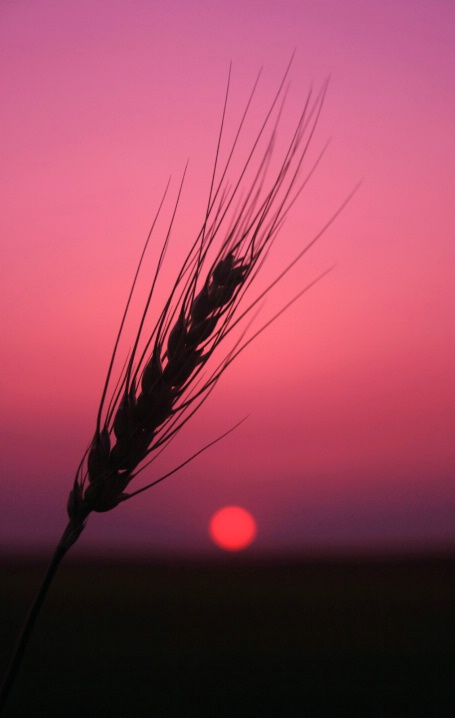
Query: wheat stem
(69, 537)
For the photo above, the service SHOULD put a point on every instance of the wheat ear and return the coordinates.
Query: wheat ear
(171, 369)
(165, 382)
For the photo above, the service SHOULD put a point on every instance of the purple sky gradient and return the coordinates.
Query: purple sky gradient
(351, 395)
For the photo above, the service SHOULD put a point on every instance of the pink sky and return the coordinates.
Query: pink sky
(351, 395)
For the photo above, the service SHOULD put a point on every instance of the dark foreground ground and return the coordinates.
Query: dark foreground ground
(240, 640)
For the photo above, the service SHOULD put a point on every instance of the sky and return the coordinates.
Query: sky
(350, 395)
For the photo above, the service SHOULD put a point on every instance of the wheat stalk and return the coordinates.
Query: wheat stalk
(167, 375)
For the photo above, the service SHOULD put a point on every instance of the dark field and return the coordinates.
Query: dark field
(238, 640)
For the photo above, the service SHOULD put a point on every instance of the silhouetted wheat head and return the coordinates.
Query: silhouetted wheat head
(165, 381)
(171, 369)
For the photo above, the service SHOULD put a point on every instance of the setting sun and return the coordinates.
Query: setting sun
(232, 528)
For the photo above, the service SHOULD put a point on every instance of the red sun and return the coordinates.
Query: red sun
(232, 528)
